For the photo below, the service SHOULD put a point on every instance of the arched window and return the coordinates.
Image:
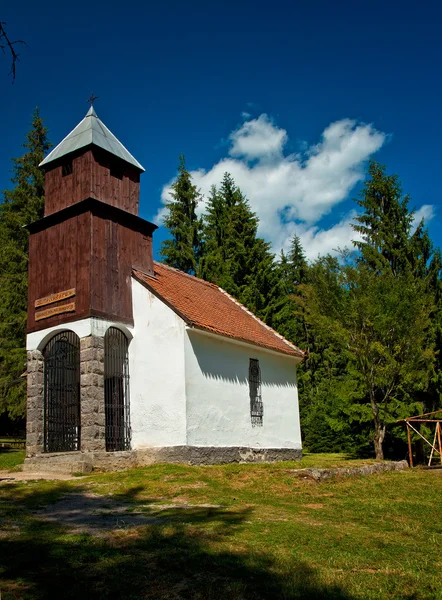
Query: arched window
(62, 393)
(116, 390)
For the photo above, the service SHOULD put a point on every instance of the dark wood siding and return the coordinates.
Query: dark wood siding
(59, 259)
(60, 191)
(91, 178)
(93, 252)
(123, 193)
(116, 249)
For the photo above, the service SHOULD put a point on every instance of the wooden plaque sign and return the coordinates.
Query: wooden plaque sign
(55, 310)
(55, 297)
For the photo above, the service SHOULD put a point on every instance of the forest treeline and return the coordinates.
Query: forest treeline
(21, 205)
(369, 318)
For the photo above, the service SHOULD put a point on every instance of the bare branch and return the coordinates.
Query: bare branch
(8, 47)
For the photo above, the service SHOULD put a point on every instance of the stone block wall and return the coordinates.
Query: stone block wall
(34, 416)
(92, 394)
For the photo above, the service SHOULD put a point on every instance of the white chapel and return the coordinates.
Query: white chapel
(132, 362)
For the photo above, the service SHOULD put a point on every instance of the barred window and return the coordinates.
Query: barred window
(256, 407)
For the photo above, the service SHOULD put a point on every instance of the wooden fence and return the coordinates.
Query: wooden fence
(18, 444)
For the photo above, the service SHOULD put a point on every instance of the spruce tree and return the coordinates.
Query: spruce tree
(291, 272)
(21, 205)
(233, 256)
(390, 245)
(213, 266)
(182, 250)
(420, 251)
(386, 221)
(297, 261)
(325, 386)
(245, 251)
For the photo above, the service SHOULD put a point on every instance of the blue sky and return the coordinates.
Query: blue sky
(292, 97)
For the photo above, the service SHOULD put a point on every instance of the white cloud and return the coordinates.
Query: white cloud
(294, 191)
(258, 139)
(426, 211)
(318, 241)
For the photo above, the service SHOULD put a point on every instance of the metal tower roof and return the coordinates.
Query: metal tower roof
(91, 131)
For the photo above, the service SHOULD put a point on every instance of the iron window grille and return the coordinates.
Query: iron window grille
(116, 390)
(256, 406)
(62, 393)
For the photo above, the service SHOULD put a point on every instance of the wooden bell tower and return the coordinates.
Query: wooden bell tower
(81, 254)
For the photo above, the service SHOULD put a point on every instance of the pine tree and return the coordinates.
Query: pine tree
(388, 323)
(297, 261)
(386, 221)
(420, 251)
(370, 353)
(22, 205)
(213, 264)
(291, 272)
(247, 255)
(390, 245)
(233, 255)
(182, 251)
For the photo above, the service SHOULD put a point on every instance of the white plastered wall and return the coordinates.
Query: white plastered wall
(83, 328)
(217, 392)
(157, 375)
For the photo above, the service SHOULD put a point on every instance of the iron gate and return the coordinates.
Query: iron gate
(62, 393)
(116, 390)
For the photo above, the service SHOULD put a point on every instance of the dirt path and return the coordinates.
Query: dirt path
(92, 512)
(8, 477)
(89, 512)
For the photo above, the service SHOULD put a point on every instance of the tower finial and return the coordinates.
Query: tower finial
(92, 99)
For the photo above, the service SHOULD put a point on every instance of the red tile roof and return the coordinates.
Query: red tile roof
(206, 306)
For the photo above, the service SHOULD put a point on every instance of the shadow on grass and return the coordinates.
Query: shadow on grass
(179, 556)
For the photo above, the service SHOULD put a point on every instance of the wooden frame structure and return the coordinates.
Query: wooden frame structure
(437, 434)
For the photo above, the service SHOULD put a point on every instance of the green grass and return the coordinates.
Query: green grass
(11, 457)
(263, 534)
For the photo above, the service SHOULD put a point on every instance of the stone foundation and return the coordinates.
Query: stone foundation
(85, 462)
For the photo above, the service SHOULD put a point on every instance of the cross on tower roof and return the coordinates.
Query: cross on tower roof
(92, 99)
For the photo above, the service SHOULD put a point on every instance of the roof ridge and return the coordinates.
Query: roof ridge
(192, 277)
(276, 334)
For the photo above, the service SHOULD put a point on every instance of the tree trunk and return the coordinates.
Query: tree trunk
(378, 441)
(379, 429)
